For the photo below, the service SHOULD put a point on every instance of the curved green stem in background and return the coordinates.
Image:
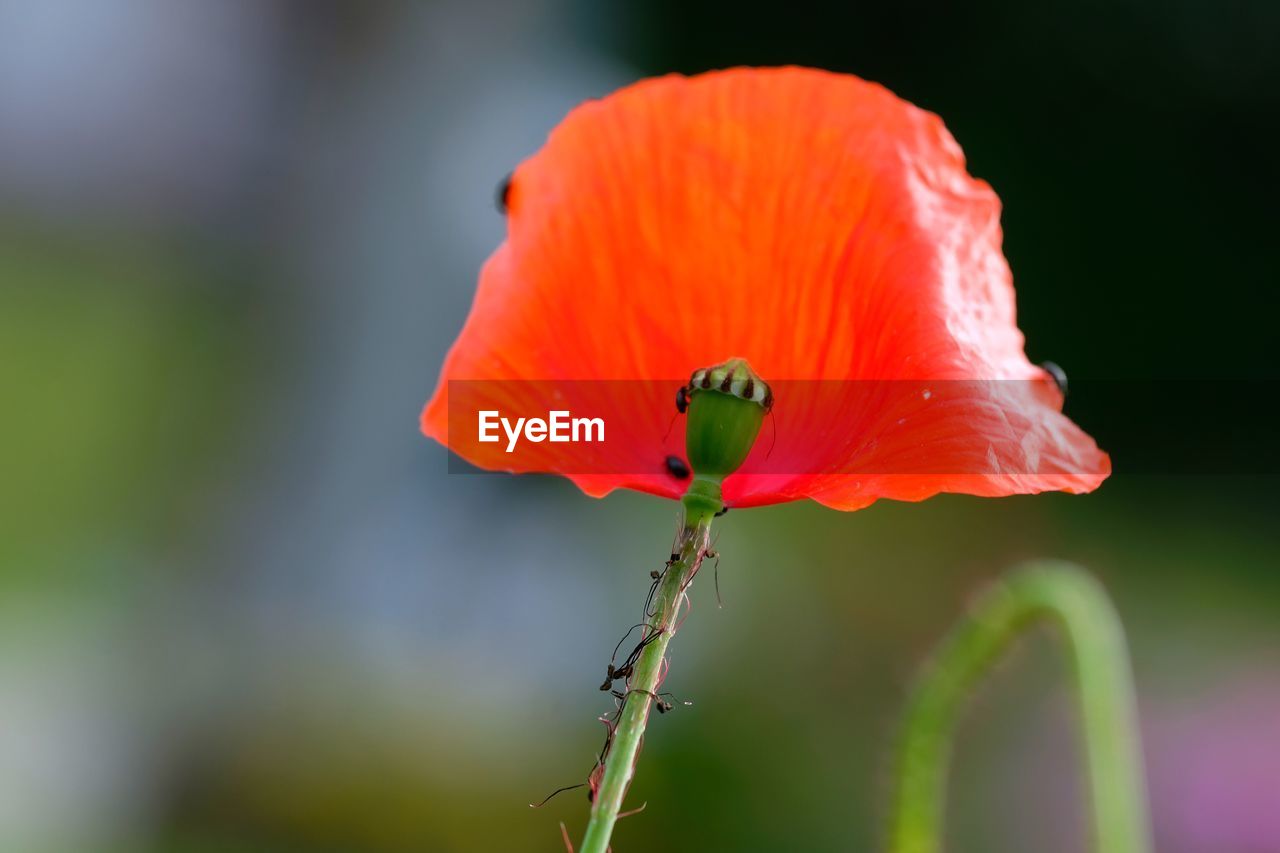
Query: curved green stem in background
(619, 765)
(1072, 599)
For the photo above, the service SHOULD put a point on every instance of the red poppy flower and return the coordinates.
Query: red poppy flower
(810, 222)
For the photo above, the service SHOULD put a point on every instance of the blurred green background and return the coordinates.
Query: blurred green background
(244, 608)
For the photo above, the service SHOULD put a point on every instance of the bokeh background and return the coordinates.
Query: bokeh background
(243, 607)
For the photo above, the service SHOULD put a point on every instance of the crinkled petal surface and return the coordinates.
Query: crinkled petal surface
(810, 222)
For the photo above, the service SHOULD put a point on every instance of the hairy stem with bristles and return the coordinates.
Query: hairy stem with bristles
(619, 766)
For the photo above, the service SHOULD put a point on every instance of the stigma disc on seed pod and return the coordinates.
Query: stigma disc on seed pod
(734, 377)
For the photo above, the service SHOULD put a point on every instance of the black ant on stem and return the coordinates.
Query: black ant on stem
(659, 699)
(627, 669)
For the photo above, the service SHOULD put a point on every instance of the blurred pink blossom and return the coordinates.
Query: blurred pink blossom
(1215, 769)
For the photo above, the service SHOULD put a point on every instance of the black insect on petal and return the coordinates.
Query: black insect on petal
(1059, 375)
(502, 195)
(677, 468)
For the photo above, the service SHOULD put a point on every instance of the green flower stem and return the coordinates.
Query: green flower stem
(1072, 599)
(619, 766)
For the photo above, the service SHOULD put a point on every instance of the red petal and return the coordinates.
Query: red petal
(810, 222)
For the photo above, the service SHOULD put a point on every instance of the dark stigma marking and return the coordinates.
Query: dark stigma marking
(502, 195)
(1059, 375)
(676, 468)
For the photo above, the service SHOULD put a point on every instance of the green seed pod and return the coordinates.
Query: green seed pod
(727, 405)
